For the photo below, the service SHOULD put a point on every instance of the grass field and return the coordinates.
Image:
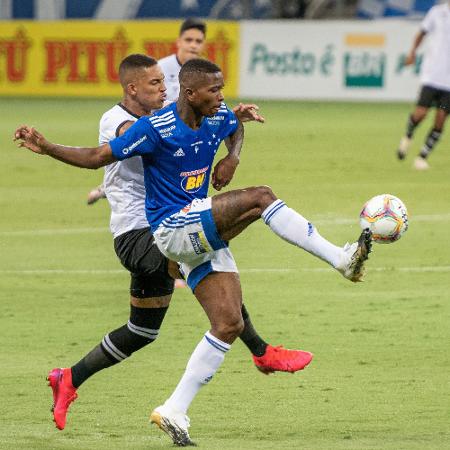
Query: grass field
(380, 377)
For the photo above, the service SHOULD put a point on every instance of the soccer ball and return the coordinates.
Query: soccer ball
(386, 217)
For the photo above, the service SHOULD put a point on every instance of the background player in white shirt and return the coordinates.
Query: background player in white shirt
(435, 81)
(190, 44)
(151, 285)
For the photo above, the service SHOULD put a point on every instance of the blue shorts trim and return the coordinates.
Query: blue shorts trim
(210, 229)
(198, 274)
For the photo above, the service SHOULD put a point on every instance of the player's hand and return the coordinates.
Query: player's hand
(410, 59)
(31, 139)
(224, 171)
(248, 113)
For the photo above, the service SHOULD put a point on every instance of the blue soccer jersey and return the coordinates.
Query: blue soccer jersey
(177, 159)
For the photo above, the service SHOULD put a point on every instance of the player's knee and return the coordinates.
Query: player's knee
(264, 196)
(230, 329)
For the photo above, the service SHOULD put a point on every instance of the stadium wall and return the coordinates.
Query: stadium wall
(332, 60)
(337, 60)
(81, 58)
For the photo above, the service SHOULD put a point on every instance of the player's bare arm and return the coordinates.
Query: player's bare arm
(411, 58)
(124, 127)
(86, 157)
(225, 168)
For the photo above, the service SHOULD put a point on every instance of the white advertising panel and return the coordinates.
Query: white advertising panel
(334, 60)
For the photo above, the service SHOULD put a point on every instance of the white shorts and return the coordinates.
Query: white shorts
(190, 237)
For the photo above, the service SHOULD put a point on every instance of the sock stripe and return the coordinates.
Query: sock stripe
(215, 344)
(112, 349)
(141, 331)
(267, 215)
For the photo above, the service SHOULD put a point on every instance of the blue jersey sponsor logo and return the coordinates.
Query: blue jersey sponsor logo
(130, 148)
(193, 181)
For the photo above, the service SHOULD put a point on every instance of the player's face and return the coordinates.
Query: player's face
(206, 98)
(190, 45)
(149, 88)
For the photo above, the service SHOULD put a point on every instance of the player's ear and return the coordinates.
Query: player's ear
(131, 89)
(189, 93)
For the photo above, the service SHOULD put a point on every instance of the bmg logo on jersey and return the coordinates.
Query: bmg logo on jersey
(192, 182)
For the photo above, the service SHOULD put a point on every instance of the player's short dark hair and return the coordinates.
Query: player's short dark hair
(134, 62)
(196, 66)
(190, 23)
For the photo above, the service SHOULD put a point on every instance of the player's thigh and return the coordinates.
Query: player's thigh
(233, 211)
(442, 110)
(139, 254)
(427, 98)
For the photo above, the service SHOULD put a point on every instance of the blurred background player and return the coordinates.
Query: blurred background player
(151, 285)
(435, 81)
(190, 44)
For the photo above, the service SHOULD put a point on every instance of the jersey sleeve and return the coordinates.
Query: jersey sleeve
(106, 129)
(429, 21)
(230, 124)
(140, 139)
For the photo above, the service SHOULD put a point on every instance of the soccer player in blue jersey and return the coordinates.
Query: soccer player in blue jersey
(151, 284)
(177, 146)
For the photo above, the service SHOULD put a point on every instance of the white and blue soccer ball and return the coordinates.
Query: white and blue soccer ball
(386, 217)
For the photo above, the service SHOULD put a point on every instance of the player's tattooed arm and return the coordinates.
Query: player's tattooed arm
(86, 157)
(225, 168)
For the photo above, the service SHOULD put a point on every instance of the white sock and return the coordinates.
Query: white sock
(295, 229)
(202, 365)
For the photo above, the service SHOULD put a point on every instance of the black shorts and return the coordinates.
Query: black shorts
(432, 97)
(139, 254)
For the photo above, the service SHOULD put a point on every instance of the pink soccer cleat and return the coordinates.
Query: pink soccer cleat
(279, 359)
(60, 380)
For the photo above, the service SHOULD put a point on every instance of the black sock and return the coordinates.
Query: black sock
(250, 337)
(411, 126)
(431, 141)
(141, 330)
(94, 361)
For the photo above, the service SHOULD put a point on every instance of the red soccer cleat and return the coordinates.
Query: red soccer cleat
(60, 380)
(279, 359)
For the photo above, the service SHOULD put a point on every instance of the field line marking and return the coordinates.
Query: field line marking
(319, 221)
(52, 232)
(418, 269)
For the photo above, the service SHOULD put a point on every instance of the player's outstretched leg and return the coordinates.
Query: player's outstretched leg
(95, 195)
(280, 359)
(174, 423)
(233, 211)
(60, 380)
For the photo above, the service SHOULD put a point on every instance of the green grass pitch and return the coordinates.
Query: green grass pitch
(380, 376)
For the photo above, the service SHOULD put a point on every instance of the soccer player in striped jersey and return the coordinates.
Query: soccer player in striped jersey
(151, 285)
(435, 80)
(177, 145)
